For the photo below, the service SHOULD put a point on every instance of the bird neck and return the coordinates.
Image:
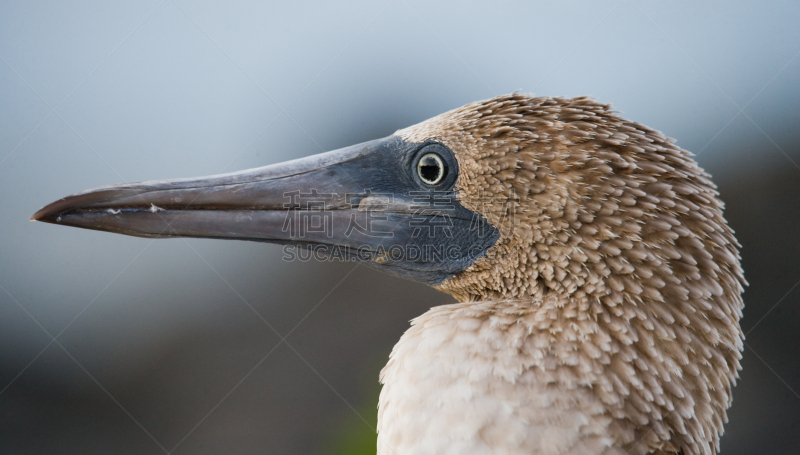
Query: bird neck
(474, 371)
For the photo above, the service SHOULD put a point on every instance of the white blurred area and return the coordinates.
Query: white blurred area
(157, 347)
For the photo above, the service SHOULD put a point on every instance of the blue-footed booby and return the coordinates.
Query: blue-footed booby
(598, 284)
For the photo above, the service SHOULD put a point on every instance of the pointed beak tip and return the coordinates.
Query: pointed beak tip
(45, 214)
(37, 216)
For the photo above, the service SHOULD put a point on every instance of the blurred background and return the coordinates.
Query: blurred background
(113, 344)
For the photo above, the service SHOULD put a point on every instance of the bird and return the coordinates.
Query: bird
(597, 284)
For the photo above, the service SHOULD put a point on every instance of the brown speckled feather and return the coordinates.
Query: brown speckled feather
(606, 317)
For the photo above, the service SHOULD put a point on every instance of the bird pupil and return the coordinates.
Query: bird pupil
(430, 169)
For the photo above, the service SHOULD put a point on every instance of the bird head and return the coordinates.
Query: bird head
(515, 196)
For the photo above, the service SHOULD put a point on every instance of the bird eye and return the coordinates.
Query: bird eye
(431, 168)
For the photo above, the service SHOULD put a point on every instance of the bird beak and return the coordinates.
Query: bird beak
(352, 199)
(257, 204)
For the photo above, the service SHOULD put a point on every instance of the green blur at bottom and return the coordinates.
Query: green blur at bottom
(356, 433)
